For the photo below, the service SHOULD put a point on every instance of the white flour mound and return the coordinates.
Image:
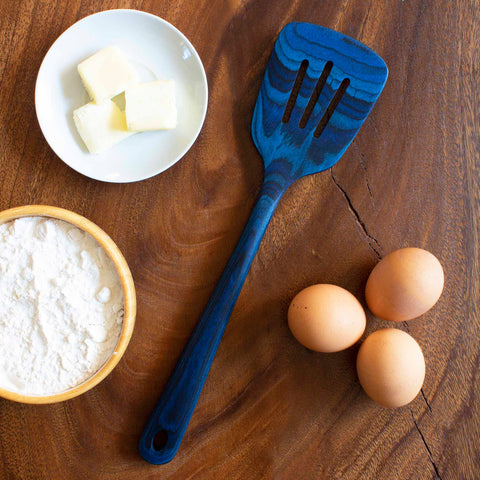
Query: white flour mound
(61, 306)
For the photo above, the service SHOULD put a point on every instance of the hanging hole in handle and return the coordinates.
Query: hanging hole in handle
(160, 440)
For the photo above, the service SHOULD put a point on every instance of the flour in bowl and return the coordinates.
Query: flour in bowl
(61, 306)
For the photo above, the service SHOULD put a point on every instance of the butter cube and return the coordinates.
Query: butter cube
(106, 74)
(100, 126)
(151, 106)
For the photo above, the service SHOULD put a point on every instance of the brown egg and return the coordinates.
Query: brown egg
(391, 367)
(326, 318)
(404, 284)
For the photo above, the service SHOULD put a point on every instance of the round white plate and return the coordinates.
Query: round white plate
(158, 51)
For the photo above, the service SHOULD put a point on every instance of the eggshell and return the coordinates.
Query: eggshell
(326, 318)
(404, 284)
(391, 367)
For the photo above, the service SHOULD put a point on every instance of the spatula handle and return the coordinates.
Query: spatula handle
(166, 427)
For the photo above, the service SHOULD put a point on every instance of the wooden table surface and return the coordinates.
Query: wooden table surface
(270, 409)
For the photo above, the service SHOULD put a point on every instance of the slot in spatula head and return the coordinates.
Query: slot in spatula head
(318, 89)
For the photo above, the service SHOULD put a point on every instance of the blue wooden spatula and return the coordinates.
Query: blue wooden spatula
(318, 89)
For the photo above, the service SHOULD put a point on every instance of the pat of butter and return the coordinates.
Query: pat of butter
(100, 126)
(106, 74)
(151, 106)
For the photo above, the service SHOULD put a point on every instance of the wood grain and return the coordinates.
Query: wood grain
(270, 409)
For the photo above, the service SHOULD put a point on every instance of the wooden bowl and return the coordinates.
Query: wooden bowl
(126, 279)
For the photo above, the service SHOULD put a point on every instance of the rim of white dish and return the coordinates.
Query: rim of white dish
(203, 74)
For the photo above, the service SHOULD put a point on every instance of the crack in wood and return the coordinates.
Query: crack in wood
(426, 401)
(422, 436)
(371, 240)
(364, 168)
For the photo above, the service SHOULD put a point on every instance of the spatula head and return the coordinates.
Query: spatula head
(346, 76)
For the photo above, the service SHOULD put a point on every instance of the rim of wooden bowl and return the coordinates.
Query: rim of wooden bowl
(128, 286)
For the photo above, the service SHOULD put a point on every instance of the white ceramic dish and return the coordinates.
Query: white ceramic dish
(157, 50)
